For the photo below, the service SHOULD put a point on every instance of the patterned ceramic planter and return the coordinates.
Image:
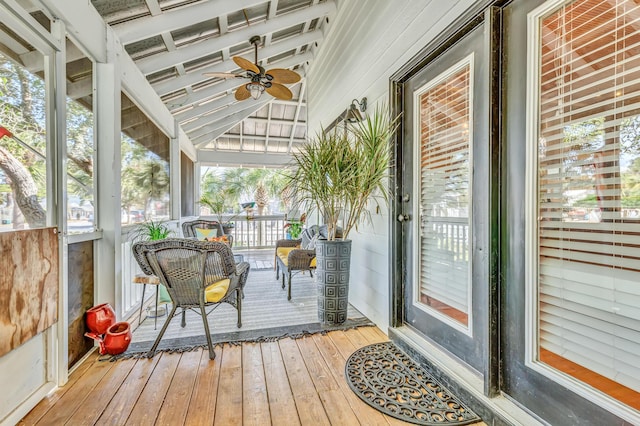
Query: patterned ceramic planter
(334, 263)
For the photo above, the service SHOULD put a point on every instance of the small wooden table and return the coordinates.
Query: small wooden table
(144, 280)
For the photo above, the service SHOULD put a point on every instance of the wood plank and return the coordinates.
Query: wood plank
(99, 397)
(310, 408)
(50, 400)
(148, 404)
(374, 334)
(356, 337)
(28, 295)
(75, 397)
(283, 411)
(338, 408)
(121, 405)
(316, 365)
(202, 407)
(229, 400)
(336, 363)
(255, 405)
(176, 403)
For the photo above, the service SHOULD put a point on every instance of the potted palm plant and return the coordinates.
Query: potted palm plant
(217, 203)
(338, 174)
(151, 231)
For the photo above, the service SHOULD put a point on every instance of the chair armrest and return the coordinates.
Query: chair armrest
(230, 238)
(288, 243)
(242, 271)
(300, 258)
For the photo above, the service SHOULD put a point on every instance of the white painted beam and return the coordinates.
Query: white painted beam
(142, 28)
(80, 88)
(197, 76)
(222, 158)
(216, 128)
(206, 108)
(259, 137)
(154, 7)
(297, 114)
(266, 131)
(216, 89)
(229, 122)
(35, 62)
(194, 51)
(207, 120)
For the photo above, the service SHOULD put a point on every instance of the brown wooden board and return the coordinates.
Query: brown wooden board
(80, 290)
(28, 285)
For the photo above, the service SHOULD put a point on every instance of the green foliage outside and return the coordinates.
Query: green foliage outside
(224, 189)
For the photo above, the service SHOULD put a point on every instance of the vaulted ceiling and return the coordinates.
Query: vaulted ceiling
(174, 42)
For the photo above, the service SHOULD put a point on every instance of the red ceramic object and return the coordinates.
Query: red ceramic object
(117, 339)
(100, 318)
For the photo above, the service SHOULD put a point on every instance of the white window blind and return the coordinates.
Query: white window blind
(444, 188)
(589, 191)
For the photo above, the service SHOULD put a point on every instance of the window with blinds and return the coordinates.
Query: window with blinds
(445, 182)
(588, 194)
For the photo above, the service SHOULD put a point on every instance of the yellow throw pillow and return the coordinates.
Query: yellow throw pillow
(204, 233)
(216, 291)
(283, 254)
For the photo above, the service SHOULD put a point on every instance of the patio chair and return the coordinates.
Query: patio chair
(197, 275)
(191, 229)
(296, 256)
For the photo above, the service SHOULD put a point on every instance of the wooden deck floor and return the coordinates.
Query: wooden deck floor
(288, 382)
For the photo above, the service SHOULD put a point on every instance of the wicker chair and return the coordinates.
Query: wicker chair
(291, 258)
(189, 228)
(197, 274)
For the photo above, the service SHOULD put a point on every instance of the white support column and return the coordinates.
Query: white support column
(55, 67)
(174, 172)
(108, 276)
(197, 177)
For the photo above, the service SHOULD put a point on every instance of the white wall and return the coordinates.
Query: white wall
(32, 385)
(368, 41)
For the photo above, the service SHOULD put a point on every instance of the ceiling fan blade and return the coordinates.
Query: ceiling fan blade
(279, 91)
(283, 76)
(221, 75)
(242, 93)
(245, 64)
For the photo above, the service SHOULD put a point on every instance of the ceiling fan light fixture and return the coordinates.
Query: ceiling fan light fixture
(255, 89)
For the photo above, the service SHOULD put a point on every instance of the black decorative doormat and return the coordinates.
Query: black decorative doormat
(389, 381)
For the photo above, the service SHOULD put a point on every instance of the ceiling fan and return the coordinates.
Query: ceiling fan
(272, 81)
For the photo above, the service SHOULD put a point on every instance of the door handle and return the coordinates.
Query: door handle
(403, 218)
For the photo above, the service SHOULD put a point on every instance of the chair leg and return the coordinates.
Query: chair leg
(144, 287)
(283, 279)
(205, 321)
(183, 323)
(311, 273)
(289, 295)
(239, 303)
(152, 351)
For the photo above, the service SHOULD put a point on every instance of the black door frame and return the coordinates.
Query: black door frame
(556, 404)
(487, 12)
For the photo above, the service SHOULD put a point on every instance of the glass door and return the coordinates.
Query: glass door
(446, 199)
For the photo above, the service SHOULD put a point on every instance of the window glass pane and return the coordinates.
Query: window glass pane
(589, 195)
(444, 119)
(80, 142)
(23, 167)
(145, 167)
